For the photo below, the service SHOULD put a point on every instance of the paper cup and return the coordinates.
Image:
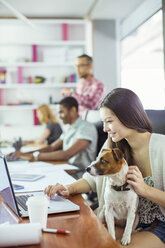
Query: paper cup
(38, 210)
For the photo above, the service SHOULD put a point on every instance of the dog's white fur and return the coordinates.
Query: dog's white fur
(120, 206)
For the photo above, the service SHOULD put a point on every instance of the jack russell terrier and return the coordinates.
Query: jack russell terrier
(121, 201)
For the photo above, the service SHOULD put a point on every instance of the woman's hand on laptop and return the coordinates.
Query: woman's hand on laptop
(59, 189)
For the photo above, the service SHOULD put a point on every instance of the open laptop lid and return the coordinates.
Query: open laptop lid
(6, 188)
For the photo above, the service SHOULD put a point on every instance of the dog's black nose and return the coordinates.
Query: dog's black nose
(88, 169)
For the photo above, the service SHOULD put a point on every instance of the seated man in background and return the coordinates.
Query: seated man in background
(89, 91)
(77, 144)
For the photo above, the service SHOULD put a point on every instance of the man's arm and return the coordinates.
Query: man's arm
(57, 145)
(77, 147)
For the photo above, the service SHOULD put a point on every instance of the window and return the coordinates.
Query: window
(142, 63)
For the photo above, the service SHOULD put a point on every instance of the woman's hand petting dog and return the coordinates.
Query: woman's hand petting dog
(59, 189)
(135, 179)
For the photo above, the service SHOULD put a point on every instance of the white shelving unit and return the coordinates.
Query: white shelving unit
(37, 86)
(48, 50)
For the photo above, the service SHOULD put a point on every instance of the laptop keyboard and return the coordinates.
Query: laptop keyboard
(22, 199)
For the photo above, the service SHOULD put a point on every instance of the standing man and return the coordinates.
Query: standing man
(89, 90)
(77, 144)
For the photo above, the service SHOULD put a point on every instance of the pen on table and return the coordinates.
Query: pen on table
(51, 230)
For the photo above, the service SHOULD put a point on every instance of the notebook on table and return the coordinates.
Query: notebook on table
(18, 202)
(26, 177)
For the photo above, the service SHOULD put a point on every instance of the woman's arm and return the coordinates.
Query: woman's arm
(135, 179)
(80, 186)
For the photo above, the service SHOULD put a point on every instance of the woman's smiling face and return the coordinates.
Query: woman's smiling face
(112, 125)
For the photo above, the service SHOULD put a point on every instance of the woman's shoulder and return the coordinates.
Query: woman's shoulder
(53, 124)
(157, 138)
(157, 143)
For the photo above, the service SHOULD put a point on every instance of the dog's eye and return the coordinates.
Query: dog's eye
(103, 161)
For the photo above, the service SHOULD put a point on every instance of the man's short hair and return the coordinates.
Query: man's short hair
(88, 58)
(69, 102)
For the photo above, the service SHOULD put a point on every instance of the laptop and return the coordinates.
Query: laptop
(18, 202)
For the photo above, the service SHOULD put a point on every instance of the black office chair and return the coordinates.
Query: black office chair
(102, 136)
(157, 118)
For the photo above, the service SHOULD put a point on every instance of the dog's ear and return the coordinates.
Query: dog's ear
(106, 150)
(117, 154)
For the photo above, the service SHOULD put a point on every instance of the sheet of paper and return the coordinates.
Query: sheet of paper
(20, 234)
(55, 167)
(37, 167)
(10, 149)
(58, 176)
(52, 174)
(7, 150)
(18, 166)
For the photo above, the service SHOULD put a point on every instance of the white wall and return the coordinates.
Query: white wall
(106, 52)
(28, 132)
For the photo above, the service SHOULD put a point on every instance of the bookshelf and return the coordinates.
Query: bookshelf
(45, 53)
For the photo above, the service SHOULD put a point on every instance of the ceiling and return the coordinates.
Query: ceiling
(95, 9)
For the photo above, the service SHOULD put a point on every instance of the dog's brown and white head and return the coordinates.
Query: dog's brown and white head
(110, 162)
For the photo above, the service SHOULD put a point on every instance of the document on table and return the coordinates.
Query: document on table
(53, 174)
(37, 167)
(7, 150)
(58, 176)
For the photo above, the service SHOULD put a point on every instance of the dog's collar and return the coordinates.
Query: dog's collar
(120, 188)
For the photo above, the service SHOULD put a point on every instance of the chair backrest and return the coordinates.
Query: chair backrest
(102, 136)
(94, 117)
(91, 116)
(157, 118)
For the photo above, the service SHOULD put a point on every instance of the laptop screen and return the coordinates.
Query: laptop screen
(6, 189)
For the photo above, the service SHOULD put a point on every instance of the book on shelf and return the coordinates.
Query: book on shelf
(20, 74)
(2, 76)
(34, 53)
(35, 118)
(64, 31)
(0, 96)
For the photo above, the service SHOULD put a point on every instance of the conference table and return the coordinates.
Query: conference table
(86, 230)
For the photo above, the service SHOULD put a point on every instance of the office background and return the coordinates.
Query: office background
(125, 39)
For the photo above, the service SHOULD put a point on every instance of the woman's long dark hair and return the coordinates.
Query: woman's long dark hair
(128, 108)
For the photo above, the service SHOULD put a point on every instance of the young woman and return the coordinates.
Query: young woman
(129, 128)
(52, 131)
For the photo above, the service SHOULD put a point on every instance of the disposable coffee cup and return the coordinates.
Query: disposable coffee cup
(38, 210)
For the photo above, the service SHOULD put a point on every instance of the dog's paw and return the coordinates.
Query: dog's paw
(125, 240)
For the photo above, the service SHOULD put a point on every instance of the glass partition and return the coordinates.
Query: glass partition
(142, 63)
